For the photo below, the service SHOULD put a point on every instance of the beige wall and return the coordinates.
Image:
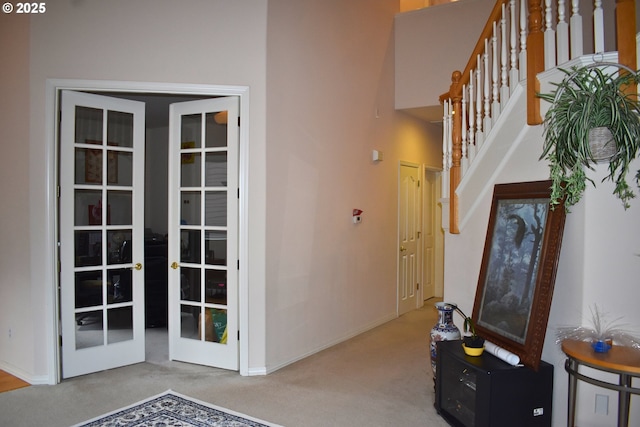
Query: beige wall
(331, 102)
(208, 43)
(431, 44)
(18, 324)
(318, 107)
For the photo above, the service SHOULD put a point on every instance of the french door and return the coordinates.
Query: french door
(203, 232)
(101, 223)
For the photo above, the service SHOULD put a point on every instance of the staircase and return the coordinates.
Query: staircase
(491, 111)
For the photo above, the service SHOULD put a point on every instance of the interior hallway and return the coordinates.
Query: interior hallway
(380, 378)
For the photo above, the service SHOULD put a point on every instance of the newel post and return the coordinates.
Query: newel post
(456, 150)
(535, 61)
(626, 33)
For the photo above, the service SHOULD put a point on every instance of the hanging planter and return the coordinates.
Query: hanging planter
(592, 119)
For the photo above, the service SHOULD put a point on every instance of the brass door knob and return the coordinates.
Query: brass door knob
(174, 265)
(138, 266)
(402, 249)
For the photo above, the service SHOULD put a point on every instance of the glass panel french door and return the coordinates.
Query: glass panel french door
(101, 217)
(203, 228)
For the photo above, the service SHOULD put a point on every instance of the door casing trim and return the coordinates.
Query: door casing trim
(53, 89)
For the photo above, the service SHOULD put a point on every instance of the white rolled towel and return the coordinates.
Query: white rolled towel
(501, 353)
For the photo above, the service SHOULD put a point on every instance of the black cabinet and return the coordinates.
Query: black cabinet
(485, 391)
(156, 276)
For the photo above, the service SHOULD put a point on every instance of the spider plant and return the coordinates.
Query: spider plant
(591, 97)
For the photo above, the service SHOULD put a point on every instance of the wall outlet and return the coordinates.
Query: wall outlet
(602, 404)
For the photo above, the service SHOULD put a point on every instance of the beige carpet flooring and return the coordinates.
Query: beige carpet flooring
(379, 378)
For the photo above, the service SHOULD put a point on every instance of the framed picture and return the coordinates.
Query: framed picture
(187, 158)
(93, 164)
(518, 270)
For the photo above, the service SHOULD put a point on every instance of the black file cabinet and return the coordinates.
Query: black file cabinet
(485, 391)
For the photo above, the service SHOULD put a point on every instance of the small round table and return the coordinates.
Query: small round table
(624, 361)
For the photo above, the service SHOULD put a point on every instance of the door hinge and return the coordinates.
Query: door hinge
(418, 183)
(238, 121)
(238, 335)
(238, 264)
(418, 286)
(60, 340)
(238, 192)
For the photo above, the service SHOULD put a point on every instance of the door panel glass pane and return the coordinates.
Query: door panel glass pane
(215, 325)
(88, 125)
(216, 130)
(215, 174)
(119, 324)
(88, 164)
(119, 285)
(189, 321)
(190, 165)
(88, 207)
(120, 129)
(215, 210)
(88, 248)
(191, 131)
(216, 247)
(88, 288)
(190, 284)
(216, 287)
(120, 244)
(120, 207)
(120, 168)
(190, 208)
(89, 329)
(190, 246)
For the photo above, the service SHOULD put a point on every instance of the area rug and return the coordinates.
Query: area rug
(175, 410)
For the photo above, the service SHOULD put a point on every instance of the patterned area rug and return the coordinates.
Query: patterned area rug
(171, 409)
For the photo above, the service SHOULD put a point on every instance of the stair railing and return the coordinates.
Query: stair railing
(520, 39)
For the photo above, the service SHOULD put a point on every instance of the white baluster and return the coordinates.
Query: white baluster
(450, 138)
(504, 86)
(523, 40)
(464, 162)
(549, 38)
(471, 153)
(495, 104)
(479, 134)
(445, 137)
(486, 91)
(562, 34)
(445, 134)
(575, 23)
(598, 27)
(513, 29)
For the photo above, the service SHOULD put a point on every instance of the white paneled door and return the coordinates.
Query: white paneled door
(409, 220)
(101, 220)
(203, 232)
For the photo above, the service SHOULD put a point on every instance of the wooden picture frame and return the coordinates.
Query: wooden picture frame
(518, 270)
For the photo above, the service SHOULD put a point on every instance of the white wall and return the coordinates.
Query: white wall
(331, 102)
(598, 264)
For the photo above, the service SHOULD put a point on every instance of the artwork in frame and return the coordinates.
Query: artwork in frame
(518, 269)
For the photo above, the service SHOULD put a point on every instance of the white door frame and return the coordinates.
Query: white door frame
(53, 88)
